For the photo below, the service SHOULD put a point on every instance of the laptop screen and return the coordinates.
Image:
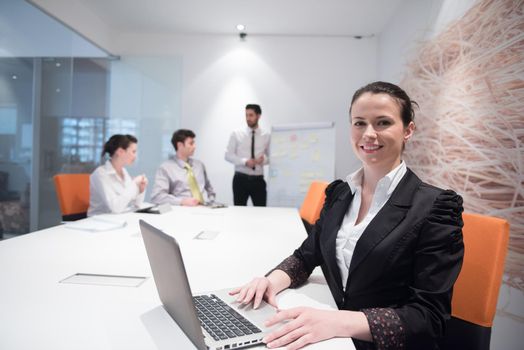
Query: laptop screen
(171, 281)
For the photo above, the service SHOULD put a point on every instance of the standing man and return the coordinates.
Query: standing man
(181, 180)
(248, 150)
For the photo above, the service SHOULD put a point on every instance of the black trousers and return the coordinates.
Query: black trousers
(245, 186)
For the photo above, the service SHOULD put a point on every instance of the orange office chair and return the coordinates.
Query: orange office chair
(476, 291)
(72, 191)
(312, 205)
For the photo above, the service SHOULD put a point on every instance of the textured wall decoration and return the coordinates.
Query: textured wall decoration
(469, 83)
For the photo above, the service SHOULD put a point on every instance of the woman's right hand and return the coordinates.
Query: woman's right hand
(256, 290)
(141, 182)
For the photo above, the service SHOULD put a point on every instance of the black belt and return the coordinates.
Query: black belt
(249, 176)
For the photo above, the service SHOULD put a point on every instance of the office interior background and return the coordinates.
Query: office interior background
(74, 72)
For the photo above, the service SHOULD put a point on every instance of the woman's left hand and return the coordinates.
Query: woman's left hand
(306, 325)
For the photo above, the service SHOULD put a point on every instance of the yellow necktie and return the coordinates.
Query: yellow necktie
(193, 185)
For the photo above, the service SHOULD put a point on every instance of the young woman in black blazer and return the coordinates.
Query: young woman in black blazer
(390, 245)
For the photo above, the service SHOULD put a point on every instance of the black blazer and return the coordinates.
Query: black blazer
(407, 259)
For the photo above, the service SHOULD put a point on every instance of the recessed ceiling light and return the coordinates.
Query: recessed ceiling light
(14, 77)
(58, 64)
(241, 27)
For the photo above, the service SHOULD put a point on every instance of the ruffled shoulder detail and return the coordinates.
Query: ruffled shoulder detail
(447, 208)
(447, 212)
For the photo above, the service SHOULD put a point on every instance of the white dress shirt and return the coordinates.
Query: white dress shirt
(109, 193)
(239, 149)
(349, 233)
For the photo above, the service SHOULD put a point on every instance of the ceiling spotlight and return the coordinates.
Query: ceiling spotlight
(241, 28)
(14, 77)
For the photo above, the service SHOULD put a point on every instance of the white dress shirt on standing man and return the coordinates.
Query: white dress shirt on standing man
(239, 149)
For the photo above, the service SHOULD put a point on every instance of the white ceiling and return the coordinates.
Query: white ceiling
(269, 17)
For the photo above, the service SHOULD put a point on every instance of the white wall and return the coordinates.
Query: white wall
(294, 79)
(400, 37)
(413, 22)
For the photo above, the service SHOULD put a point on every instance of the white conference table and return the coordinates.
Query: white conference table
(39, 312)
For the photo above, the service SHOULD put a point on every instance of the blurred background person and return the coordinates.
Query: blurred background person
(248, 150)
(182, 180)
(112, 190)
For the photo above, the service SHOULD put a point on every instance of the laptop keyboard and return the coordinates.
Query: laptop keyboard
(220, 320)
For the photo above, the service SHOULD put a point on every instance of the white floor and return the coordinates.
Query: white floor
(508, 327)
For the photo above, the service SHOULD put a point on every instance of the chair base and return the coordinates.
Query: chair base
(74, 217)
(465, 336)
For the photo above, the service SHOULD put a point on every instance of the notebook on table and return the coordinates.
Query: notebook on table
(215, 205)
(154, 208)
(211, 320)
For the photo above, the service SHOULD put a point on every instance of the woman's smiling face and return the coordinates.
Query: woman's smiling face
(377, 131)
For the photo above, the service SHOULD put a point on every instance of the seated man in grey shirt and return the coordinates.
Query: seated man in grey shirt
(181, 180)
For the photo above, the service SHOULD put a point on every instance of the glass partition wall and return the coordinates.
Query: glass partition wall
(61, 97)
(56, 114)
(52, 113)
(16, 144)
(73, 110)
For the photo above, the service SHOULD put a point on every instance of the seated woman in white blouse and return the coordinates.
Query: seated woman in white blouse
(111, 188)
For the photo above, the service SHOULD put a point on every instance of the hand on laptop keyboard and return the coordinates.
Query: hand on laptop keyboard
(256, 290)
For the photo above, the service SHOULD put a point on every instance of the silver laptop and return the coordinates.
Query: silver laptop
(212, 320)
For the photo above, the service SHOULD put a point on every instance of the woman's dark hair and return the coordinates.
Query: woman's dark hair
(180, 136)
(407, 112)
(117, 141)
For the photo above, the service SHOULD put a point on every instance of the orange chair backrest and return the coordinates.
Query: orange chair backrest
(73, 193)
(312, 205)
(476, 291)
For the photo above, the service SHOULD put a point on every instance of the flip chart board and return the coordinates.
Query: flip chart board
(299, 154)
